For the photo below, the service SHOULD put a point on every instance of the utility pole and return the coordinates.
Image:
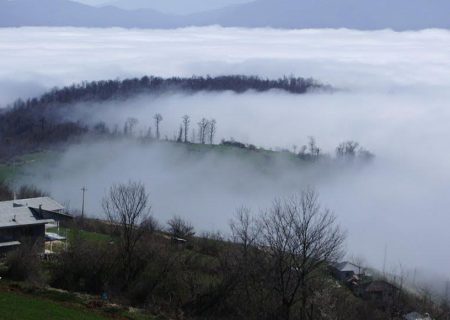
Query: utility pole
(384, 260)
(82, 204)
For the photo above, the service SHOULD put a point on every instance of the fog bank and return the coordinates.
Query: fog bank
(384, 60)
(394, 101)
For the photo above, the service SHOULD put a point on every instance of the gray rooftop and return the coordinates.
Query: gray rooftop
(47, 204)
(348, 266)
(19, 216)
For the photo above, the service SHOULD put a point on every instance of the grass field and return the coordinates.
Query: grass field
(9, 170)
(71, 233)
(15, 306)
(19, 300)
(6, 172)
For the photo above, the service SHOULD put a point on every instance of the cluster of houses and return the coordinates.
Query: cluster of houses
(29, 220)
(380, 293)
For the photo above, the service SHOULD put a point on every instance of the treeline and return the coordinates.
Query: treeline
(8, 192)
(35, 123)
(122, 89)
(20, 135)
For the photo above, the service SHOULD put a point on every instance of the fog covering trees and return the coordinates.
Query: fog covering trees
(186, 123)
(37, 122)
(158, 118)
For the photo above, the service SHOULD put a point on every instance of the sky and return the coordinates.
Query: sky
(393, 99)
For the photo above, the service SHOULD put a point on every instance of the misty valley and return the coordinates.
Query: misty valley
(223, 172)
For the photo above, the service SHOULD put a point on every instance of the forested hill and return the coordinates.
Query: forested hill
(122, 89)
(36, 122)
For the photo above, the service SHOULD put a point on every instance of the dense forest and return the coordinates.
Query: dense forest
(35, 123)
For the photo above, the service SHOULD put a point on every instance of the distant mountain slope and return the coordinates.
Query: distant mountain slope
(353, 14)
(174, 6)
(16, 13)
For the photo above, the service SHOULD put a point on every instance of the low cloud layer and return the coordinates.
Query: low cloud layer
(394, 101)
(383, 60)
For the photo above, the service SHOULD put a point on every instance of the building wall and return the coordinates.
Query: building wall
(30, 235)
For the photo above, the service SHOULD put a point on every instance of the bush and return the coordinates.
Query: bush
(26, 192)
(180, 228)
(24, 264)
(210, 243)
(87, 266)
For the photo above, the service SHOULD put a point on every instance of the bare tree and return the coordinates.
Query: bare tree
(314, 150)
(150, 224)
(212, 130)
(180, 228)
(245, 232)
(186, 123)
(202, 130)
(298, 239)
(126, 207)
(180, 135)
(244, 229)
(129, 126)
(158, 118)
(347, 149)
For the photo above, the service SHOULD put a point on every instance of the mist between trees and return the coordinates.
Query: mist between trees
(41, 121)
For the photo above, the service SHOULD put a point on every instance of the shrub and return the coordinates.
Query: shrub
(24, 264)
(180, 228)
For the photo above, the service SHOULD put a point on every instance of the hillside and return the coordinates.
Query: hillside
(17, 306)
(42, 120)
(68, 13)
(25, 302)
(179, 7)
(352, 14)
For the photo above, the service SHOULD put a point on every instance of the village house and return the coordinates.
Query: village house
(346, 271)
(382, 294)
(25, 220)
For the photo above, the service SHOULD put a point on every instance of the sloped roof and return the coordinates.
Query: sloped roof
(346, 266)
(19, 216)
(47, 203)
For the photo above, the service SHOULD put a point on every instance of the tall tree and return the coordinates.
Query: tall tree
(202, 130)
(296, 241)
(212, 130)
(180, 134)
(126, 206)
(129, 126)
(186, 123)
(158, 118)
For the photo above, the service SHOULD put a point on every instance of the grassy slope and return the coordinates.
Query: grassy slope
(71, 233)
(15, 306)
(8, 170)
